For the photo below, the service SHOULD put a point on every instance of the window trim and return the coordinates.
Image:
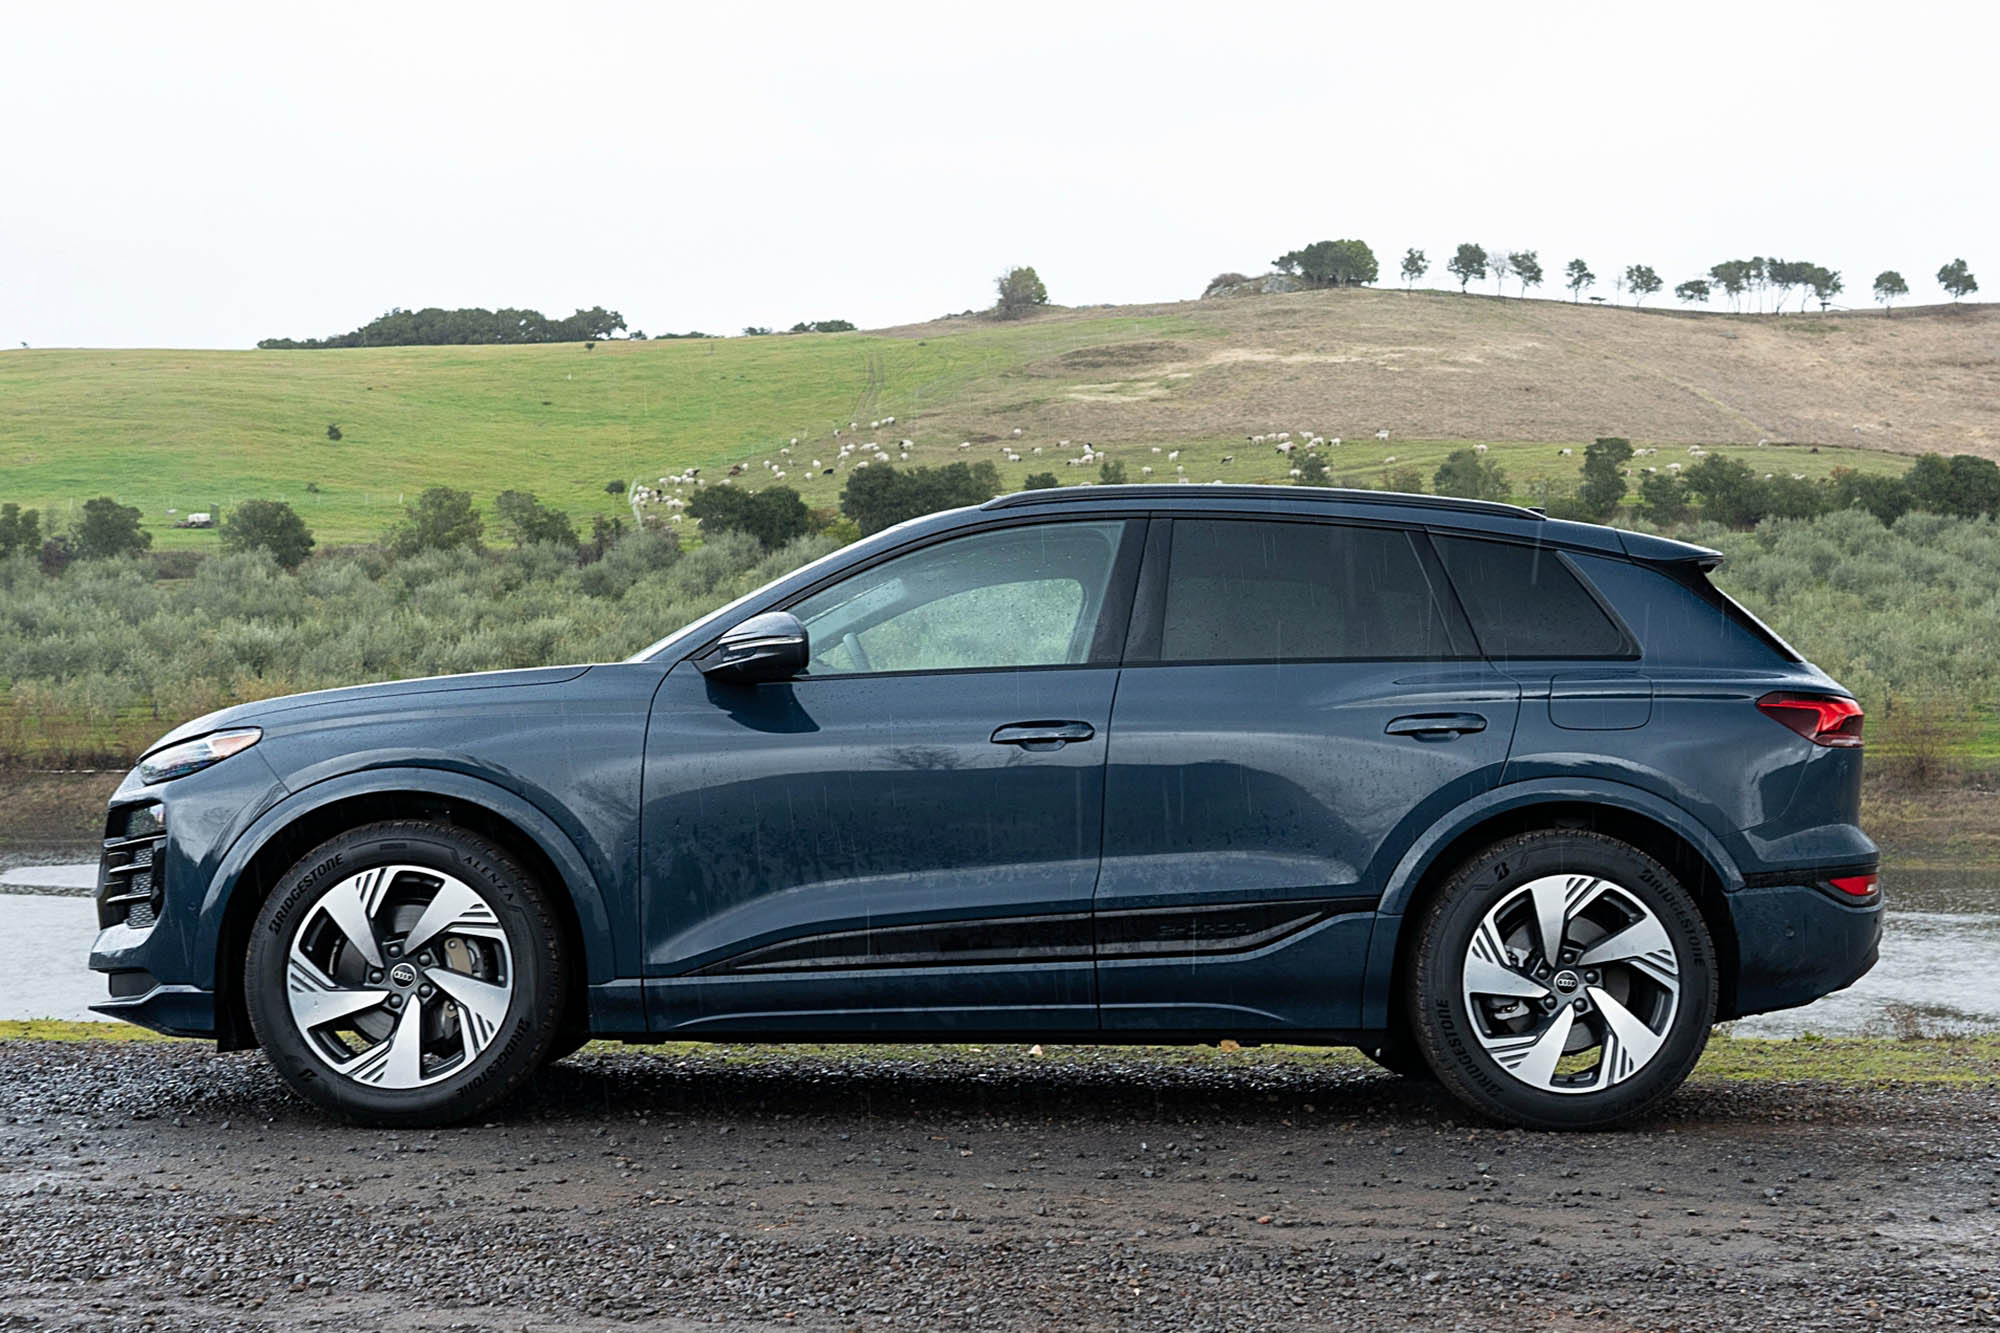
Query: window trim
(1142, 647)
(1113, 616)
(1631, 653)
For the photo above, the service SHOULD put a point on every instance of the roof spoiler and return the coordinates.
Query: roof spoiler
(1666, 551)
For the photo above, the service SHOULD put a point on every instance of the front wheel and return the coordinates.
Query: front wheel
(406, 974)
(1562, 980)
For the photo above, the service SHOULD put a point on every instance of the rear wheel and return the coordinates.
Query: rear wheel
(1562, 980)
(406, 973)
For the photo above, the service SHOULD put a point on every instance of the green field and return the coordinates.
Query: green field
(175, 432)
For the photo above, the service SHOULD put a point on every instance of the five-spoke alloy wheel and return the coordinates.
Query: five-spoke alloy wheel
(1562, 980)
(405, 973)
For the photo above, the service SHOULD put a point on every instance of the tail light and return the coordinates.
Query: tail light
(1824, 719)
(1858, 885)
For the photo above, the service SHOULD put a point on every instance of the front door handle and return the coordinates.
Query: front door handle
(1436, 726)
(1043, 735)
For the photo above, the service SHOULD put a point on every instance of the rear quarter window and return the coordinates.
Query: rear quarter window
(1527, 601)
(1678, 621)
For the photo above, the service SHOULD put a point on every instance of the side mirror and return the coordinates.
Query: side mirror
(771, 646)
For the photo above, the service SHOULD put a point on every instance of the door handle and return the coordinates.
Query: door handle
(1043, 735)
(1436, 726)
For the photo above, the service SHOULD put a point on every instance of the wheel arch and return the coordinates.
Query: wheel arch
(260, 858)
(1685, 847)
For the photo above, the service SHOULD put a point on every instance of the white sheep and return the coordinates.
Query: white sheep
(1381, 434)
(1390, 459)
(1297, 473)
(1017, 430)
(1286, 447)
(1145, 472)
(1172, 456)
(966, 445)
(1156, 448)
(1478, 448)
(888, 421)
(1566, 452)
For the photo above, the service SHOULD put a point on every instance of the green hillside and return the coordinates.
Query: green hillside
(179, 431)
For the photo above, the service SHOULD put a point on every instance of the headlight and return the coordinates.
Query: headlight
(177, 761)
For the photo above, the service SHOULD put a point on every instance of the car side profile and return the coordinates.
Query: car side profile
(1522, 804)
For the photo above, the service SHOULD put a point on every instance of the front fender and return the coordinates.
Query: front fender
(608, 924)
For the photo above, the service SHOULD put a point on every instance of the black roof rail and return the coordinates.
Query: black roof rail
(1195, 490)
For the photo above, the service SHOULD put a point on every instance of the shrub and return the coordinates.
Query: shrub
(775, 516)
(1112, 473)
(1039, 481)
(442, 519)
(1603, 484)
(528, 520)
(1469, 475)
(109, 529)
(268, 525)
(1312, 471)
(880, 496)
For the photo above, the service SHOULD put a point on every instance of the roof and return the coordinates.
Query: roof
(1180, 491)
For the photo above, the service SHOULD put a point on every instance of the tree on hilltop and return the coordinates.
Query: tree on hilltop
(1641, 281)
(1021, 291)
(1331, 263)
(1889, 285)
(1469, 263)
(1415, 265)
(1694, 289)
(1578, 278)
(1957, 279)
(1527, 266)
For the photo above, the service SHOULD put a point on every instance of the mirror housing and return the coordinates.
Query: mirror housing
(766, 647)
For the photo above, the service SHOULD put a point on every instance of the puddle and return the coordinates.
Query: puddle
(44, 946)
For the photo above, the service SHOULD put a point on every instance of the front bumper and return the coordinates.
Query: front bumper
(178, 1011)
(1796, 943)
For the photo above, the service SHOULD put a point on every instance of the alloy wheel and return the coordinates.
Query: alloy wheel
(399, 976)
(1571, 983)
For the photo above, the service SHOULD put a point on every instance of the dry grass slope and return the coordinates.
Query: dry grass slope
(173, 430)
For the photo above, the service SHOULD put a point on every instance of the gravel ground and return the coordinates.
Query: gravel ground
(164, 1187)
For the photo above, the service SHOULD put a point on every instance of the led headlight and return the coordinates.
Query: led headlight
(177, 761)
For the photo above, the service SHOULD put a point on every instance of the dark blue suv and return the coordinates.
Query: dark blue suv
(1521, 804)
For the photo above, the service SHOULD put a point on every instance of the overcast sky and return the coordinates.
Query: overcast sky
(190, 175)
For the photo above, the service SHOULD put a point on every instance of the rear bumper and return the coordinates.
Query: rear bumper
(1797, 942)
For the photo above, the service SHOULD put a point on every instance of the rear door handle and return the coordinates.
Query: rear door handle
(1436, 726)
(1043, 735)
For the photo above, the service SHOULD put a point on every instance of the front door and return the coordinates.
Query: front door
(1299, 695)
(906, 837)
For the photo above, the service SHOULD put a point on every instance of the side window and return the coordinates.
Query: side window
(1248, 590)
(1010, 597)
(1525, 601)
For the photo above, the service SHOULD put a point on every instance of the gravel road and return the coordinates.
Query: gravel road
(164, 1187)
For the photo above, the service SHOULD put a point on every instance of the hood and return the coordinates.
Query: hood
(251, 713)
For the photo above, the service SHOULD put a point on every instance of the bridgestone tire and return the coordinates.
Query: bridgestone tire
(515, 1046)
(1439, 1012)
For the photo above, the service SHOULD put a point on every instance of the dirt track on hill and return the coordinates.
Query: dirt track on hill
(148, 1186)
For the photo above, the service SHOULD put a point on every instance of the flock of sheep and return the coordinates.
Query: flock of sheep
(852, 452)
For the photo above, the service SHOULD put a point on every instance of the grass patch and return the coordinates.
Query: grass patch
(56, 1029)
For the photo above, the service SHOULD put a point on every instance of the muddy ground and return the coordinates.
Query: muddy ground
(161, 1186)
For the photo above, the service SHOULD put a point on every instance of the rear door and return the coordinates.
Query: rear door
(1300, 696)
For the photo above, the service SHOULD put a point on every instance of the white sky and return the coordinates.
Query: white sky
(190, 175)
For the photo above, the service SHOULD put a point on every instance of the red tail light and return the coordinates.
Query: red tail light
(1823, 719)
(1858, 885)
